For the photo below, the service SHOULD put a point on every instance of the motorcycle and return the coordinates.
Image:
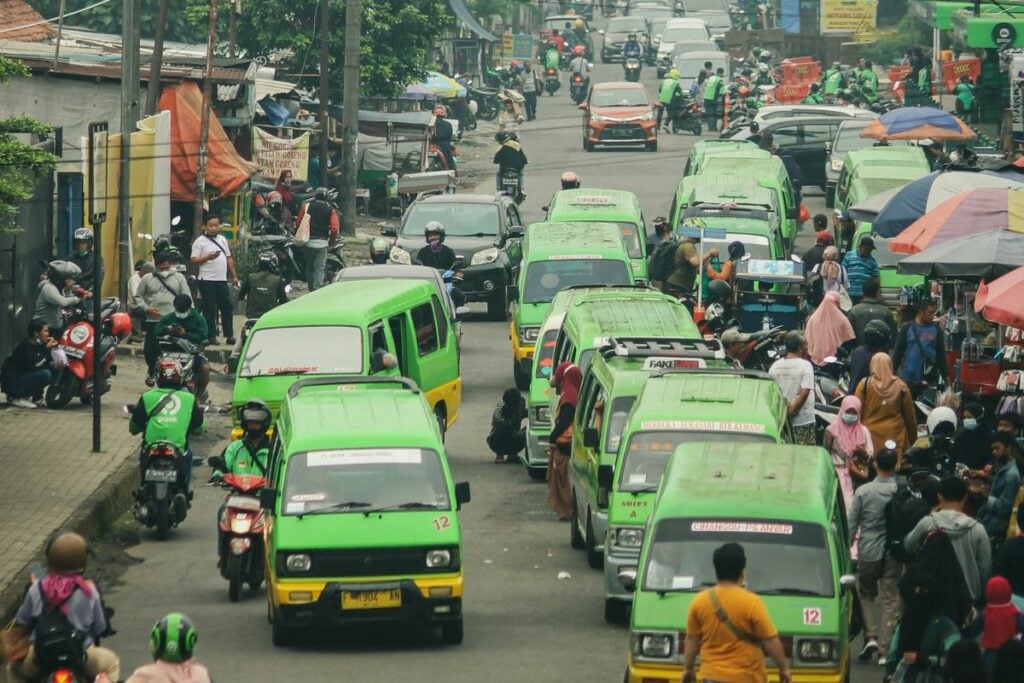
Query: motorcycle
(551, 81)
(577, 88)
(77, 343)
(183, 351)
(486, 99)
(763, 349)
(437, 161)
(631, 68)
(161, 502)
(510, 179)
(688, 117)
(241, 522)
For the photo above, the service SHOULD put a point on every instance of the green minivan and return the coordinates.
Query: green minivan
(558, 256)
(682, 406)
(706, 148)
(367, 327)
(782, 504)
(884, 157)
(361, 523)
(606, 206)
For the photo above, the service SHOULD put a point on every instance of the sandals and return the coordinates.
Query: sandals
(498, 459)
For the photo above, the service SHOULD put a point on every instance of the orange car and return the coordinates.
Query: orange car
(619, 113)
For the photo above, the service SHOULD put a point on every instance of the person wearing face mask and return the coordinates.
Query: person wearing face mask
(189, 323)
(971, 444)
(849, 442)
(436, 254)
(83, 256)
(155, 299)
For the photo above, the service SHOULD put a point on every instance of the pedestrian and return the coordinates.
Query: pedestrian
(822, 238)
(849, 442)
(667, 93)
(1000, 620)
(712, 90)
(878, 573)
(28, 370)
(172, 643)
(263, 289)
(968, 537)
(134, 304)
(999, 497)
(874, 339)
(324, 226)
(887, 406)
(212, 253)
(735, 344)
(1009, 559)
(923, 635)
(730, 628)
(1009, 663)
(964, 663)
(870, 308)
(964, 93)
(795, 377)
(507, 436)
(155, 299)
(937, 157)
(861, 266)
(829, 276)
(827, 330)
(566, 381)
(284, 187)
(528, 86)
(847, 230)
(920, 352)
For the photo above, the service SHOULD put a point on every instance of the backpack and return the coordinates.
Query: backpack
(815, 288)
(663, 260)
(902, 513)
(58, 644)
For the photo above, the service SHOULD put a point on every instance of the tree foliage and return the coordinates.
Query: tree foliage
(106, 18)
(20, 163)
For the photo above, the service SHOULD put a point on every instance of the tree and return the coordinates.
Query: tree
(107, 19)
(20, 163)
(398, 37)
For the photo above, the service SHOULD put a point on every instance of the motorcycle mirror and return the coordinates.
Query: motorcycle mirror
(461, 311)
(389, 230)
(600, 31)
(831, 359)
(287, 289)
(582, 106)
(127, 408)
(795, 258)
(176, 220)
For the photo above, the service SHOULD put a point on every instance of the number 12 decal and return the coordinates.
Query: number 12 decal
(441, 522)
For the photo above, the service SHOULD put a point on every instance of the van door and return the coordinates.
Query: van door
(381, 340)
(433, 359)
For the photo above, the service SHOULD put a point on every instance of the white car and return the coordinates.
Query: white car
(681, 29)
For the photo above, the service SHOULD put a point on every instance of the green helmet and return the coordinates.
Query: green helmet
(173, 638)
(674, 73)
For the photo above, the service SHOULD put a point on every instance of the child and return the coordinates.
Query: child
(507, 435)
(1000, 621)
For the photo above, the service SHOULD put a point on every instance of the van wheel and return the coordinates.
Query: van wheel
(521, 378)
(442, 421)
(615, 611)
(281, 635)
(451, 632)
(595, 558)
(576, 539)
(497, 307)
(588, 146)
(537, 473)
(830, 199)
(652, 146)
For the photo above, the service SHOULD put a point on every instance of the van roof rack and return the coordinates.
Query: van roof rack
(646, 347)
(731, 372)
(341, 380)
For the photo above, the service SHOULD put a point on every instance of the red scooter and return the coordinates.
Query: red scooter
(241, 526)
(77, 343)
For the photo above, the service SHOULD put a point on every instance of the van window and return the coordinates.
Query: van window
(312, 350)
(648, 454)
(597, 414)
(616, 422)
(818, 132)
(378, 340)
(585, 403)
(786, 136)
(399, 325)
(545, 353)
(442, 320)
(426, 330)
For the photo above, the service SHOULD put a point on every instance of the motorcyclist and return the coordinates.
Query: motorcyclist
(188, 323)
(552, 56)
(443, 134)
(833, 81)
(814, 96)
(558, 41)
(436, 254)
(764, 75)
(868, 82)
(570, 181)
(579, 27)
(579, 65)
(380, 248)
(272, 209)
(64, 590)
(264, 289)
(510, 156)
(632, 48)
(172, 643)
(50, 299)
(667, 97)
(83, 255)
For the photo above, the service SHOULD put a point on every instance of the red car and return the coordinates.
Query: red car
(619, 113)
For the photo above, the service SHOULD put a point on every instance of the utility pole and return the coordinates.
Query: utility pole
(325, 83)
(130, 29)
(153, 86)
(204, 121)
(350, 115)
(233, 30)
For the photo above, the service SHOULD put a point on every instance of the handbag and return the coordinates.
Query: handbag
(302, 232)
(845, 302)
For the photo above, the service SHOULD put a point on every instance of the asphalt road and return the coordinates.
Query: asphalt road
(523, 622)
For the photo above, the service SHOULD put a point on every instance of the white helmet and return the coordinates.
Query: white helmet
(940, 415)
(763, 68)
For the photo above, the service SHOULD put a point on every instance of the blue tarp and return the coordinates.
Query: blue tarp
(790, 16)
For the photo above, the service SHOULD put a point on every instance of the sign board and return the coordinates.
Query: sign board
(97, 181)
(1017, 96)
(522, 46)
(273, 154)
(848, 16)
(1004, 35)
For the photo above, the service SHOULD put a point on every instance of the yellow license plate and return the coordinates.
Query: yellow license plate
(371, 599)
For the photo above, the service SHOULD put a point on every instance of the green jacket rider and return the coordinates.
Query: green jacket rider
(248, 455)
(833, 79)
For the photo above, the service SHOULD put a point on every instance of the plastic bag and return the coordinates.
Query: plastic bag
(60, 359)
(302, 232)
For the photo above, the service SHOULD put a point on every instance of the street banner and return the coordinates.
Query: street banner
(273, 154)
(848, 16)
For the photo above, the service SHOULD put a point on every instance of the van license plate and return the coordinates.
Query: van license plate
(162, 475)
(371, 599)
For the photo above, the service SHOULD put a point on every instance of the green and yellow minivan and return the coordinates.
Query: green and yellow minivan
(369, 327)
(879, 157)
(558, 256)
(770, 173)
(675, 407)
(361, 517)
(606, 206)
(782, 504)
(706, 148)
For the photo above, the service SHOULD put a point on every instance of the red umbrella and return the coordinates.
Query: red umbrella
(1001, 301)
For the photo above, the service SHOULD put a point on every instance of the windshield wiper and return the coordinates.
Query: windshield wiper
(412, 505)
(475, 234)
(644, 489)
(704, 584)
(789, 591)
(337, 506)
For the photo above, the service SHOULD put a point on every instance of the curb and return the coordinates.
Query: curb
(94, 517)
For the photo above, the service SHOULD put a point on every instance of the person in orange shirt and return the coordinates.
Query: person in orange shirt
(730, 628)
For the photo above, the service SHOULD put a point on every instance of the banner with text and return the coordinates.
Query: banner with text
(848, 16)
(273, 154)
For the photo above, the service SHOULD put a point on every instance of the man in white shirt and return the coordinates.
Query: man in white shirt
(795, 377)
(212, 253)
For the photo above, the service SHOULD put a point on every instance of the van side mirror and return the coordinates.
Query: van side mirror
(389, 230)
(793, 212)
(267, 498)
(590, 438)
(513, 292)
(605, 476)
(582, 106)
(828, 147)
(461, 494)
(517, 230)
(627, 578)
(847, 582)
(379, 361)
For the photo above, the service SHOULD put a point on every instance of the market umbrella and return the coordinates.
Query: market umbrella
(867, 210)
(1001, 301)
(963, 214)
(918, 123)
(924, 194)
(435, 85)
(983, 256)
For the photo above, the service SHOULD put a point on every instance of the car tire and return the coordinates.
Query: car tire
(605, 59)
(280, 634)
(830, 199)
(497, 306)
(588, 146)
(615, 611)
(452, 632)
(652, 146)
(522, 379)
(537, 473)
(576, 540)
(595, 557)
(442, 421)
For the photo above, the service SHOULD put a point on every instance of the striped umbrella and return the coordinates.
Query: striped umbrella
(1001, 301)
(918, 123)
(967, 213)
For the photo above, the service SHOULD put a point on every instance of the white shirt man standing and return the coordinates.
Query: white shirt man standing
(212, 253)
(795, 377)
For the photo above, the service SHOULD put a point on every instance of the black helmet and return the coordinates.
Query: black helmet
(254, 411)
(435, 227)
(632, 36)
(502, 137)
(268, 262)
(379, 249)
(876, 335)
(737, 250)
(719, 291)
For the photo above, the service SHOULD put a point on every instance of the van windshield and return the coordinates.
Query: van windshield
(545, 279)
(364, 480)
(648, 453)
(309, 350)
(756, 245)
(783, 558)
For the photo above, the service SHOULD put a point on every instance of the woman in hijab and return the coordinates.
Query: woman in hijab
(972, 443)
(833, 273)
(887, 406)
(828, 328)
(507, 437)
(566, 381)
(284, 186)
(849, 442)
(923, 635)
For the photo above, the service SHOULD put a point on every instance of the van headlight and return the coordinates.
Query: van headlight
(540, 414)
(484, 256)
(400, 256)
(629, 538)
(298, 563)
(439, 558)
(653, 645)
(528, 335)
(816, 650)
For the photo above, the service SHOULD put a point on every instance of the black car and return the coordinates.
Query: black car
(806, 138)
(618, 31)
(484, 230)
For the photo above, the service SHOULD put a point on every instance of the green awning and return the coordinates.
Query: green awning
(993, 29)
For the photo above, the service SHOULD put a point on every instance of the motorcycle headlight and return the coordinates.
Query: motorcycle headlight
(489, 255)
(528, 335)
(816, 649)
(298, 563)
(629, 538)
(400, 256)
(541, 414)
(653, 645)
